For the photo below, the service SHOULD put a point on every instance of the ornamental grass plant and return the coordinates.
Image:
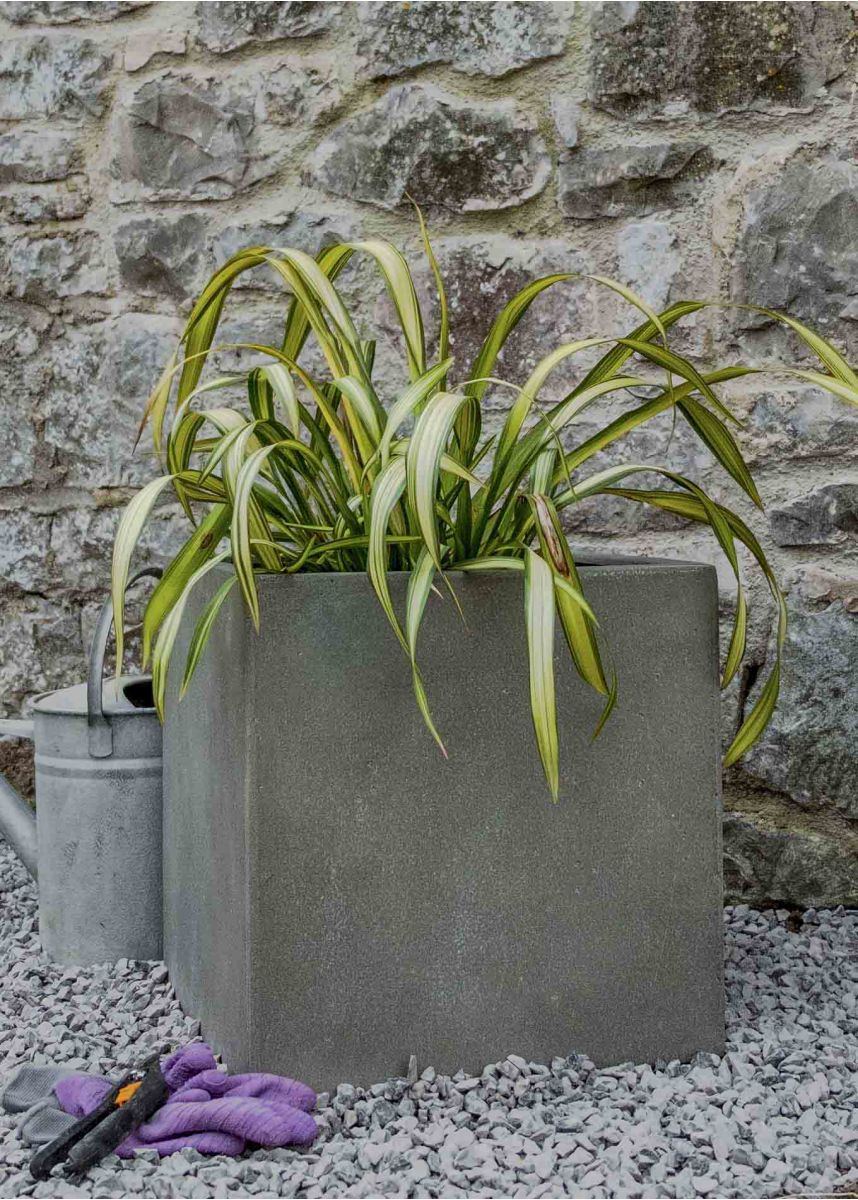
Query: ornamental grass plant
(315, 470)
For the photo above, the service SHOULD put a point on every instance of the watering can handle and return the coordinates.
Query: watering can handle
(99, 729)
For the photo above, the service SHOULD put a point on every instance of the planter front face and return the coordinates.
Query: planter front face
(338, 896)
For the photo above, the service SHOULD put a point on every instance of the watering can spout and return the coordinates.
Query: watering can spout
(16, 728)
(17, 819)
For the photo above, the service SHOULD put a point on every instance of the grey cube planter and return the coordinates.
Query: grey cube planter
(337, 896)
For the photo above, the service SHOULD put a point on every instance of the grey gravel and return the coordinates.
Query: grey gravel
(776, 1115)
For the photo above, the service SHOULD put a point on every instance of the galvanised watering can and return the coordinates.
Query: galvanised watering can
(98, 804)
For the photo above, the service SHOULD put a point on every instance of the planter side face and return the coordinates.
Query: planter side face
(398, 903)
(206, 942)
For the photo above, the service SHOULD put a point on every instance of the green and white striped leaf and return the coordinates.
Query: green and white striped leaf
(280, 378)
(168, 632)
(419, 587)
(624, 424)
(696, 507)
(130, 527)
(156, 406)
(634, 299)
(837, 387)
(825, 352)
(366, 429)
(681, 366)
(423, 463)
(198, 549)
(400, 285)
(539, 623)
(503, 326)
(410, 403)
(240, 528)
(443, 308)
(386, 494)
(721, 442)
(494, 562)
(524, 401)
(203, 629)
(578, 620)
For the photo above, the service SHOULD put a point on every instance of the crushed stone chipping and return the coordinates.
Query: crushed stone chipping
(776, 1116)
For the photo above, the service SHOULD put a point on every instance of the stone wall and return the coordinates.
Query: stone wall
(689, 149)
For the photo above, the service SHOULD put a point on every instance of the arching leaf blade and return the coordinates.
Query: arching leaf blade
(539, 623)
(203, 629)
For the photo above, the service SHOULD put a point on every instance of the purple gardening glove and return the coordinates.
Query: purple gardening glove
(213, 1112)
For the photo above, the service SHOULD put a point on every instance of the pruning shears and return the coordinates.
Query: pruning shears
(130, 1102)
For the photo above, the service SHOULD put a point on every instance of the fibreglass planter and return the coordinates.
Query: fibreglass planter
(338, 896)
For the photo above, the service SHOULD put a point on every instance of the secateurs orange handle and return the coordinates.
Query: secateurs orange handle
(126, 1106)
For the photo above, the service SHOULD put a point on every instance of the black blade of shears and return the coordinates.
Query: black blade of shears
(104, 1137)
(55, 1152)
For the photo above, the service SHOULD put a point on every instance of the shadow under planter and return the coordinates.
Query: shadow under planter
(338, 896)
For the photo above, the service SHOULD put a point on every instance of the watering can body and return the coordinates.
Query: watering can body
(98, 827)
(98, 804)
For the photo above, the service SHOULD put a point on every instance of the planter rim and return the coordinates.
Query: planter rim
(607, 563)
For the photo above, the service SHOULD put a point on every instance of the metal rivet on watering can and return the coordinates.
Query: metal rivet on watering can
(98, 805)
